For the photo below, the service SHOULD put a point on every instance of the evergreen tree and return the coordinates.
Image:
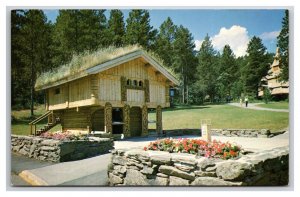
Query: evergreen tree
(257, 66)
(165, 41)
(139, 30)
(18, 79)
(184, 61)
(207, 69)
(227, 72)
(76, 31)
(32, 54)
(283, 44)
(116, 27)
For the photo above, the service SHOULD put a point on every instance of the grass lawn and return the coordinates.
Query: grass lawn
(21, 118)
(275, 105)
(222, 116)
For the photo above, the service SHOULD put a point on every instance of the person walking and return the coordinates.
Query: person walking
(241, 102)
(246, 101)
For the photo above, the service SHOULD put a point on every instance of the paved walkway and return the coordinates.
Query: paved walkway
(86, 172)
(93, 171)
(255, 107)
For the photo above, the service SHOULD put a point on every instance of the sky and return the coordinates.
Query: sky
(234, 27)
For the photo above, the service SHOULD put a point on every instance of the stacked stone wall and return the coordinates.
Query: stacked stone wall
(58, 150)
(156, 168)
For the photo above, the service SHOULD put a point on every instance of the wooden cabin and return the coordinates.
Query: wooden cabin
(277, 88)
(112, 96)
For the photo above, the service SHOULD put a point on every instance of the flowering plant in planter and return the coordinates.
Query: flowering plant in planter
(61, 136)
(215, 149)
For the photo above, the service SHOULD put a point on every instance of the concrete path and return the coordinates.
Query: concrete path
(86, 172)
(93, 171)
(255, 107)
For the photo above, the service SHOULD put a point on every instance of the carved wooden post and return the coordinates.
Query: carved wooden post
(158, 120)
(126, 120)
(144, 120)
(123, 89)
(147, 95)
(108, 117)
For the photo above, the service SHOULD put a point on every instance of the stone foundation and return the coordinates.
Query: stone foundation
(60, 151)
(157, 168)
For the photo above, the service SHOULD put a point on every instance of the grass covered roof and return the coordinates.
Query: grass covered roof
(80, 63)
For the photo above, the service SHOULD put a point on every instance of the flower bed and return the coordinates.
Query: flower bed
(64, 136)
(215, 149)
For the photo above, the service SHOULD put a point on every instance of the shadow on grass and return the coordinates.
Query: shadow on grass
(177, 108)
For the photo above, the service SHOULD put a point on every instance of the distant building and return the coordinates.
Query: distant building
(271, 81)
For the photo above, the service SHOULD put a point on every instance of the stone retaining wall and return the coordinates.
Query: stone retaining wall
(60, 151)
(260, 133)
(157, 168)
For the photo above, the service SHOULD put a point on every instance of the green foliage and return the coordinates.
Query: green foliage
(138, 29)
(30, 54)
(164, 43)
(257, 66)
(76, 31)
(283, 44)
(81, 39)
(184, 61)
(267, 95)
(207, 69)
(116, 27)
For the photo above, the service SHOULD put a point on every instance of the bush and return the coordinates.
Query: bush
(267, 95)
(215, 149)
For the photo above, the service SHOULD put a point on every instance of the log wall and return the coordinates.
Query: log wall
(111, 86)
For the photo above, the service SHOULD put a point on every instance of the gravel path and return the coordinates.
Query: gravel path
(255, 107)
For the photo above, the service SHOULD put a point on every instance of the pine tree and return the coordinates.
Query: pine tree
(184, 61)
(32, 52)
(18, 80)
(139, 30)
(77, 31)
(116, 27)
(164, 43)
(207, 69)
(257, 66)
(227, 72)
(283, 44)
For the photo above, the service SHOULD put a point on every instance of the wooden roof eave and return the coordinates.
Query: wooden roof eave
(110, 64)
(129, 57)
(62, 81)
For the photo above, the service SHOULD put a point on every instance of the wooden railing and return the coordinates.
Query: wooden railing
(48, 114)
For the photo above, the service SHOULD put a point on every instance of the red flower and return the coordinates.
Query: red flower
(232, 153)
(145, 148)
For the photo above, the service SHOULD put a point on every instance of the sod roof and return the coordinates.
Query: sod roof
(98, 61)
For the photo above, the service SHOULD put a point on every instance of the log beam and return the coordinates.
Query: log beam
(126, 120)
(108, 117)
(158, 120)
(144, 120)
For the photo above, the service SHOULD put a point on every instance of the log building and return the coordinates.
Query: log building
(111, 92)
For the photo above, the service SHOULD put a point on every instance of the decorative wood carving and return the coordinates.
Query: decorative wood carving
(126, 120)
(123, 89)
(108, 117)
(147, 95)
(144, 120)
(158, 120)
